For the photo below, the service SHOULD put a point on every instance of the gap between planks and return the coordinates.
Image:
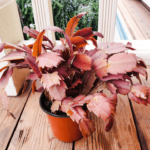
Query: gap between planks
(140, 15)
(7, 123)
(142, 117)
(130, 22)
(33, 131)
(123, 134)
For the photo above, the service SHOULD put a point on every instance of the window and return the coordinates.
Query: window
(146, 2)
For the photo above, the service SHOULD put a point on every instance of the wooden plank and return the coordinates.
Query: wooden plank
(7, 123)
(140, 15)
(122, 135)
(132, 26)
(142, 118)
(34, 132)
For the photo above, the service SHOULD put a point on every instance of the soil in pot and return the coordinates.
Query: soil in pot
(62, 126)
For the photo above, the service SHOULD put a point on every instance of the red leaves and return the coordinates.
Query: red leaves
(58, 92)
(81, 14)
(12, 46)
(1, 47)
(62, 71)
(49, 59)
(34, 86)
(86, 33)
(129, 46)
(78, 42)
(121, 63)
(80, 100)
(69, 42)
(71, 26)
(54, 29)
(59, 47)
(101, 106)
(76, 113)
(93, 41)
(113, 77)
(82, 61)
(113, 48)
(141, 61)
(49, 80)
(100, 67)
(34, 67)
(140, 91)
(38, 44)
(111, 88)
(73, 23)
(140, 94)
(140, 69)
(55, 106)
(3, 82)
(34, 33)
(98, 55)
(87, 127)
(123, 87)
(4, 68)
(109, 124)
(98, 34)
(57, 29)
(32, 76)
(13, 56)
(88, 81)
(5, 77)
(84, 72)
(78, 81)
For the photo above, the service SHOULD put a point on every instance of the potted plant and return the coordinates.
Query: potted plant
(73, 78)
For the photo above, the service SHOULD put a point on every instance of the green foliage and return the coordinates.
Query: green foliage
(63, 10)
(66, 9)
(26, 11)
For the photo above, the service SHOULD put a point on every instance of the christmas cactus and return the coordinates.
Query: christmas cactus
(72, 76)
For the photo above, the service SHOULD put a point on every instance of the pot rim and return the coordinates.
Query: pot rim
(42, 96)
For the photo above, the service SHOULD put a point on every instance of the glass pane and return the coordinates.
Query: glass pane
(63, 10)
(26, 14)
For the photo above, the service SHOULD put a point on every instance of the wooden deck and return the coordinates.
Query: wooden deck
(31, 130)
(137, 18)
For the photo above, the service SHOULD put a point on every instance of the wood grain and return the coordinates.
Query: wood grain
(33, 131)
(130, 22)
(140, 15)
(142, 118)
(122, 135)
(7, 123)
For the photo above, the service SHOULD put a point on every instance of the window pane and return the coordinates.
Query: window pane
(66, 9)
